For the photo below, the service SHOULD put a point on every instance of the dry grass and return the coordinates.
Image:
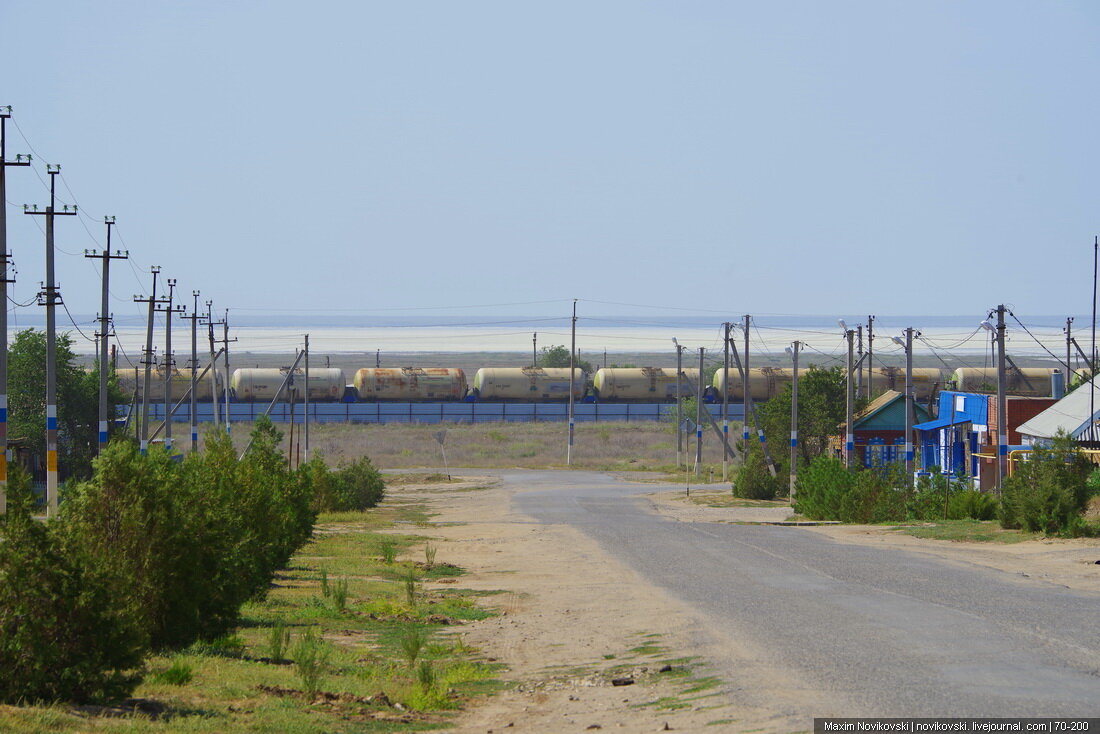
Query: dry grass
(612, 446)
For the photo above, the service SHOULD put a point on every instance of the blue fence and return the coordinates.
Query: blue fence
(442, 412)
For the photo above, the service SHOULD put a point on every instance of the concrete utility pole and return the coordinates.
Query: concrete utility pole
(859, 360)
(535, 349)
(213, 361)
(105, 325)
(169, 361)
(194, 318)
(849, 397)
(49, 297)
(1069, 350)
(795, 346)
(699, 417)
(870, 357)
(909, 413)
(746, 397)
(679, 404)
(572, 372)
(305, 418)
(5, 261)
(148, 359)
(225, 345)
(725, 401)
(1002, 403)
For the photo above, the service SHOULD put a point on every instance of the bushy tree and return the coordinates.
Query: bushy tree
(1048, 492)
(558, 356)
(754, 480)
(821, 410)
(77, 400)
(64, 632)
(827, 490)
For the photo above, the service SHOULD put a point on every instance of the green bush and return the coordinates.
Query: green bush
(827, 490)
(1048, 492)
(973, 505)
(64, 634)
(754, 481)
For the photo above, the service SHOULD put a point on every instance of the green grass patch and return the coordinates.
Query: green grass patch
(976, 531)
(346, 645)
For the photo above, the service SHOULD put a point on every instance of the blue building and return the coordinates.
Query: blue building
(951, 442)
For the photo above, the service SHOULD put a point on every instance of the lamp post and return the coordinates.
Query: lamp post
(793, 351)
(849, 396)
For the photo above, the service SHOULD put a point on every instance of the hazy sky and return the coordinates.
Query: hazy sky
(764, 157)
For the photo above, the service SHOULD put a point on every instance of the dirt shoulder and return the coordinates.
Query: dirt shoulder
(570, 620)
(1072, 563)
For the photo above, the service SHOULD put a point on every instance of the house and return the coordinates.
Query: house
(879, 429)
(962, 439)
(1077, 415)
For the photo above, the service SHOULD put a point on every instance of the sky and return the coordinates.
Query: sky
(376, 158)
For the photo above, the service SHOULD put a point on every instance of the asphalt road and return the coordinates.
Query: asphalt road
(844, 630)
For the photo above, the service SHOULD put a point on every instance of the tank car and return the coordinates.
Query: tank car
(764, 382)
(643, 384)
(527, 384)
(410, 383)
(1027, 382)
(251, 384)
(131, 381)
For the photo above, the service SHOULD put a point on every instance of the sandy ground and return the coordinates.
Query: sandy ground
(571, 616)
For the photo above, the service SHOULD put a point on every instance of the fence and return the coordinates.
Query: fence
(441, 412)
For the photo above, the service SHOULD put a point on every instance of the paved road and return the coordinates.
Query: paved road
(860, 631)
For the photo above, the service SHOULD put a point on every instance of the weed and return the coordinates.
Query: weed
(413, 639)
(339, 594)
(411, 583)
(179, 674)
(429, 555)
(498, 436)
(324, 582)
(425, 675)
(310, 655)
(278, 641)
(388, 549)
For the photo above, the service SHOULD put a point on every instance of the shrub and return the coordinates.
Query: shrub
(754, 480)
(353, 486)
(178, 674)
(820, 487)
(63, 634)
(972, 504)
(278, 641)
(310, 655)
(1048, 492)
(827, 490)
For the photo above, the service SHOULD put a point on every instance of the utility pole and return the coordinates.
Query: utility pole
(699, 417)
(795, 346)
(870, 356)
(859, 360)
(5, 261)
(169, 361)
(148, 358)
(105, 325)
(746, 397)
(535, 349)
(213, 361)
(49, 297)
(1002, 403)
(572, 371)
(305, 418)
(1069, 350)
(725, 401)
(377, 357)
(225, 357)
(849, 400)
(679, 404)
(909, 414)
(194, 318)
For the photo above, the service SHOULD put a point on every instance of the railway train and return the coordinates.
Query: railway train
(552, 384)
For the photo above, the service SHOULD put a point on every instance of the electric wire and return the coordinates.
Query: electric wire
(1033, 336)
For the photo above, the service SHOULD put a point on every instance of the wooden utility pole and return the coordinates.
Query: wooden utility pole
(849, 401)
(105, 325)
(225, 345)
(746, 396)
(910, 415)
(870, 357)
(5, 261)
(49, 297)
(679, 404)
(1069, 351)
(699, 417)
(148, 358)
(305, 418)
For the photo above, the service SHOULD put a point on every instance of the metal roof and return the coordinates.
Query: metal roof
(1070, 414)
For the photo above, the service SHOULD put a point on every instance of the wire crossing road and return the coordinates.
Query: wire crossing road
(808, 626)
